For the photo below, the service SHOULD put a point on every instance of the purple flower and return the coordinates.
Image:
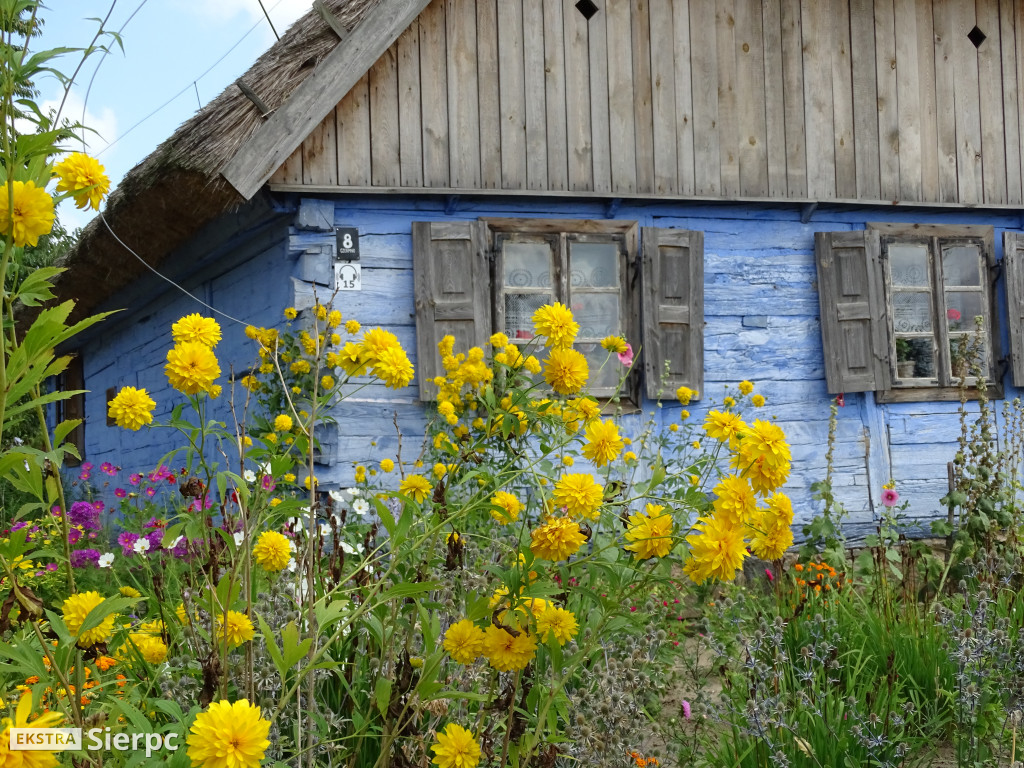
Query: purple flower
(51, 567)
(198, 505)
(120, 493)
(180, 550)
(83, 557)
(74, 536)
(686, 708)
(84, 515)
(156, 538)
(127, 541)
(155, 522)
(151, 492)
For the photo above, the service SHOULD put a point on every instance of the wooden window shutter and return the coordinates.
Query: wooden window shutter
(673, 309)
(854, 328)
(451, 272)
(1013, 267)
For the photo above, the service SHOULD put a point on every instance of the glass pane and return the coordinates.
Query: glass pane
(604, 369)
(594, 265)
(519, 309)
(597, 314)
(912, 312)
(961, 309)
(961, 265)
(961, 356)
(908, 264)
(915, 358)
(527, 265)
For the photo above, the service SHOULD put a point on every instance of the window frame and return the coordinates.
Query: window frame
(562, 233)
(944, 386)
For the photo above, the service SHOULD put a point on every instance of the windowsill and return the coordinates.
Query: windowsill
(935, 394)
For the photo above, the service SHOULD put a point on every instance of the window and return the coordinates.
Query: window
(72, 408)
(898, 305)
(473, 278)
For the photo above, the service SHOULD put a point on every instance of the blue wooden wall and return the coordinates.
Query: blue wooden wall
(761, 314)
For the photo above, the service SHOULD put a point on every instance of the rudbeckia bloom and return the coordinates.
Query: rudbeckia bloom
(580, 494)
(506, 651)
(84, 178)
(415, 486)
(557, 539)
(650, 533)
(464, 641)
(456, 748)
(235, 630)
(554, 321)
(272, 551)
(566, 371)
(603, 442)
(196, 328)
(75, 610)
(132, 408)
(228, 736)
(191, 368)
(31, 215)
(26, 759)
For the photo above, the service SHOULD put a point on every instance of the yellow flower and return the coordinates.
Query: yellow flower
(352, 327)
(282, 423)
(191, 368)
(556, 622)
(75, 610)
(746, 387)
(321, 312)
(723, 425)
(299, 366)
(557, 539)
(132, 408)
(736, 502)
(499, 340)
(393, 368)
(506, 651)
(10, 758)
(650, 532)
(228, 735)
(729, 402)
(290, 313)
(84, 178)
(251, 383)
(129, 592)
(603, 442)
(629, 456)
(685, 395)
(327, 382)
(763, 439)
(198, 329)
(416, 487)
(615, 344)
(333, 318)
(150, 647)
(288, 477)
(387, 465)
(234, 631)
(673, 427)
(32, 215)
(566, 371)
(508, 507)
(360, 474)
(771, 534)
(717, 550)
(456, 748)
(464, 641)
(272, 551)
(270, 437)
(554, 321)
(579, 494)
(757, 400)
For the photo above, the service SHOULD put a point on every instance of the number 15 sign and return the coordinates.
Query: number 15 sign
(348, 276)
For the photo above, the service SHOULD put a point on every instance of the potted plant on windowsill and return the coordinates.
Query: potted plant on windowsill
(904, 363)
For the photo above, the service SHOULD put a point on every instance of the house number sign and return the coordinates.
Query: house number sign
(347, 270)
(348, 276)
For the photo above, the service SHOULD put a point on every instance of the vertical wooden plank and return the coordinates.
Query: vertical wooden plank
(682, 52)
(908, 98)
(384, 171)
(990, 81)
(642, 87)
(865, 97)
(600, 118)
(622, 129)
(410, 129)
(554, 90)
(577, 89)
(353, 121)
(750, 99)
(793, 98)
(821, 154)
(463, 94)
(434, 95)
(945, 106)
(926, 88)
(728, 112)
(320, 154)
(663, 98)
(970, 183)
(512, 95)
(487, 82)
(1018, 25)
(842, 101)
(775, 114)
(291, 169)
(536, 111)
(888, 115)
(1011, 117)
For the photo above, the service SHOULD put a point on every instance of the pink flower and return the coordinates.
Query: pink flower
(889, 497)
(267, 483)
(626, 358)
(768, 573)
(841, 399)
(108, 469)
(953, 314)
(135, 479)
(151, 492)
(120, 493)
(686, 708)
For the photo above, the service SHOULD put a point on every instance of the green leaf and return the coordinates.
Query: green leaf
(293, 649)
(272, 647)
(112, 605)
(382, 694)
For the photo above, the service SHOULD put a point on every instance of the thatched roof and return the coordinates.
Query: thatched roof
(178, 188)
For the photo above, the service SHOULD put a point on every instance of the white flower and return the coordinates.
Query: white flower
(353, 492)
(292, 547)
(106, 560)
(295, 523)
(292, 564)
(348, 548)
(361, 507)
(141, 545)
(337, 496)
(174, 543)
(249, 475)
(265, 469)
(239, 538)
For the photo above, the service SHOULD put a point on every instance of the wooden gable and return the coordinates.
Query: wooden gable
(842, 100)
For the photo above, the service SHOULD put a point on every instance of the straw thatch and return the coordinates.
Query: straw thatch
(178, 189)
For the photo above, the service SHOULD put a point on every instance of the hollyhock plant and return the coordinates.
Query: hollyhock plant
(890, 497)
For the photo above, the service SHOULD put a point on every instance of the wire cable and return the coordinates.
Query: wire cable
(164, 277)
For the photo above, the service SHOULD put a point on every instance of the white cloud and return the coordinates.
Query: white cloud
(282, 12)
(103, 123)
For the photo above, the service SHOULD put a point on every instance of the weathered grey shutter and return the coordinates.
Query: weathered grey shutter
(673, 309)
(854, 329)
(452, 292)
(1013, 267)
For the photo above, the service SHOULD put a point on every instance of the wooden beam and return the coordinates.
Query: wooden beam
(273, 142)
(332, 21)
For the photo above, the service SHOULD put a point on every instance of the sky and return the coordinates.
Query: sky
(178, 55)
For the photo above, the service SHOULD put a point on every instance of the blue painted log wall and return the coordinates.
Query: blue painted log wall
(761, 314)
